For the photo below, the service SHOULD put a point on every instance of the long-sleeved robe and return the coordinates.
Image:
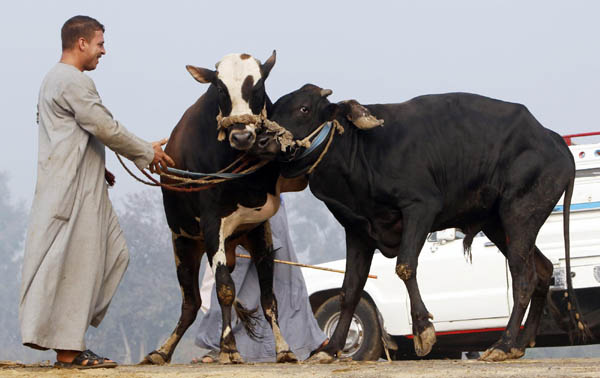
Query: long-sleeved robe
(75, 252)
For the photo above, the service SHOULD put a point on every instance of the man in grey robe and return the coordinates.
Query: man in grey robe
(298, 324)
(75, 252)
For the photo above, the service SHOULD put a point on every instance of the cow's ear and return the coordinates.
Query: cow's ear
(202, 75)
(266, 67)
(360, 116)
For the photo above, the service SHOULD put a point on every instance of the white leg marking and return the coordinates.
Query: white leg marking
(280, 344)
(226, 332)
(219, 258)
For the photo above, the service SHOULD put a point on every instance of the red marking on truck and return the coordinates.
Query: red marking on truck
(463, 331)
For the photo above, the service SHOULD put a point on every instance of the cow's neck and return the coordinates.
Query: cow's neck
(306, 163)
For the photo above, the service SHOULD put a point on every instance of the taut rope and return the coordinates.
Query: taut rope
(303, 265)
(206, 181)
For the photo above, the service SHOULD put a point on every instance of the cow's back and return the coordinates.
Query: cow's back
(459, 148)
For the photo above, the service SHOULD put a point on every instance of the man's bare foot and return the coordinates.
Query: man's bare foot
(208, 358)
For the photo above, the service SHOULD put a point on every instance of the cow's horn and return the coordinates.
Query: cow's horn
(326, 92)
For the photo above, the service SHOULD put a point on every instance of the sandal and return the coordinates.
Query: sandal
(210, 357)
(91, 359)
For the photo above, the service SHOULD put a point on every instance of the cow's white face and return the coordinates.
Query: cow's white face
(239, 80)
(239, 73)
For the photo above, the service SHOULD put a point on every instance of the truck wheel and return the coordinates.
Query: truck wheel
(364, 336)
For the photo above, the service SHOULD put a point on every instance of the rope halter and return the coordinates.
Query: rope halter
(280, 133)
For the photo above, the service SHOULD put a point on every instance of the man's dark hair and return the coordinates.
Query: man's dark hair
(77, 27)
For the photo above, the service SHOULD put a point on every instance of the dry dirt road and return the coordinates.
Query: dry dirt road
(576, 367)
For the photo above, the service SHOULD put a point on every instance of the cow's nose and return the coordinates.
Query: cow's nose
(263, 141)
(241, 137)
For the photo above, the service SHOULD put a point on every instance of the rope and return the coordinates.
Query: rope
(336, 127)
(206, 183)
(208, 180)
(283, 136)
(303, 265)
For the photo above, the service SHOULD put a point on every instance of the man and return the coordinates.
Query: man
(75, 252)
(298, 324)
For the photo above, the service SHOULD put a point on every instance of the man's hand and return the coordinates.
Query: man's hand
(109, 177)
(161, 159)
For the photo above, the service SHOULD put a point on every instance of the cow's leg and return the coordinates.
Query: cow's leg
(188, 253)
(226, 294)
(225, 287)
(261, 248)
(517, 244)
(359, 255)
(416, 224)
(543, 270)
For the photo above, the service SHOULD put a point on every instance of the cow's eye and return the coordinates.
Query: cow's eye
(304, 109)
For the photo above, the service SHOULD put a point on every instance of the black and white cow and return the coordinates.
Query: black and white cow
(229, 214)
(439, 161)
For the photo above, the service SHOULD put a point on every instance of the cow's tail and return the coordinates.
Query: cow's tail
(578, 330)
(249, 319)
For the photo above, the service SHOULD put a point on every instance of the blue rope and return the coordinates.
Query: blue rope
(200, 174)
(320, 138)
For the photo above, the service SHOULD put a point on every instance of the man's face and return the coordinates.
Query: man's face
(93, 50)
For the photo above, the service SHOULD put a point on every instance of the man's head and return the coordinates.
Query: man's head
(83, 40)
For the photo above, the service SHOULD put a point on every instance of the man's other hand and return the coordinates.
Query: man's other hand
(161, 160)
(109, 177)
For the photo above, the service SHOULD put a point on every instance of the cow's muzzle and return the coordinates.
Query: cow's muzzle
(242, 137)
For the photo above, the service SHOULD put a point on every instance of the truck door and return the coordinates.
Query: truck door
(455, 289)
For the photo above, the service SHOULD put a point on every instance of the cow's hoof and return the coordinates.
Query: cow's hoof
(515, 353)
(320, 358)
(230, 358)
(286, 356)
(424, 341)
(493, 355)
(154, 358)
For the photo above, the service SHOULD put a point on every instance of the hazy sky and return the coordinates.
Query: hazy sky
(543, 54)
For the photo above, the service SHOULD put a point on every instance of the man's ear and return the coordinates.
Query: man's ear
(202, 75)
(81, 43)
(265, 68)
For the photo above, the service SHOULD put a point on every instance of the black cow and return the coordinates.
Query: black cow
(229, 214)
(439, 161)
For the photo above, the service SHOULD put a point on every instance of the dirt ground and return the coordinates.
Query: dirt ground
(576, 367)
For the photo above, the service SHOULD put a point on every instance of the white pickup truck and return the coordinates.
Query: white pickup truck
(471, 301)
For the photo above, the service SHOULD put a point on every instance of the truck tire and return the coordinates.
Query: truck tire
(363, 342)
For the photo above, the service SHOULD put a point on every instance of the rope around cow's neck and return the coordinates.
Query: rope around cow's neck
(306, 141)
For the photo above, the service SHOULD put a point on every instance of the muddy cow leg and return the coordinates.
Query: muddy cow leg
(261, 248)
(226, 294)
(543, 270)
(417, 221)
(359, 255)
(517, 244)
(215, 236)
(188, 253)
